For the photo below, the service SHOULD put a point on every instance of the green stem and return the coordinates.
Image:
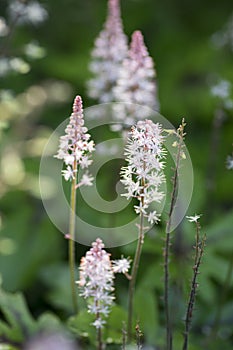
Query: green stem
(134, 276)
(181, 134)
(200, 245)
(72, 239)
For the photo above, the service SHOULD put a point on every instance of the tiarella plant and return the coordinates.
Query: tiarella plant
(109, 51)
(74, 149)
(136, 85)
(96, 283)
(142, 178)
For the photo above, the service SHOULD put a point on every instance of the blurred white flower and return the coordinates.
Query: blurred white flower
(136, 84)
(121, 265)
(5, 67)
(221, 90)
(229, 162)
(28, 12)
(19, 65)
(34, 51)
(109, 51)
(54, 341)
(224, 37)
(4, 30)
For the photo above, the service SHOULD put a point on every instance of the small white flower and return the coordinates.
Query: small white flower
(121, 266)
(221, 90)
(153, 217)
(68, 173)
(99, 323)
(194, 218)
(87, 180)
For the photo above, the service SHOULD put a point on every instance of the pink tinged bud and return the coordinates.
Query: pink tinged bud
(138, 50)
(78, 106)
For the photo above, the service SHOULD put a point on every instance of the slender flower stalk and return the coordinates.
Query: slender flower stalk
(74, 150)
(199, 251)
(109, 51)
(136, 84)
(142, 178)
(96, 283)
(179, 156)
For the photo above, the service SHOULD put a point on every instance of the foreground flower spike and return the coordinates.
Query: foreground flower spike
(107, 56)
(136, 83)
(74, 149)
(96, 283)
(75, 146)
(143, 176)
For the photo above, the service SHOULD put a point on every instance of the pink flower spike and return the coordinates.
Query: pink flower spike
(136, 84)
(75, 147)
(96, 282)
(109, 51)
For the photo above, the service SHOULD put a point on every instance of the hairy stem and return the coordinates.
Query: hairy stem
(99, 339)
(134, 276)
(199, 251)
(181, 134)
(124, 337)
(72, 239)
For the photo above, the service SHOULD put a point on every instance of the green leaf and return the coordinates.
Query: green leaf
(81, 325)
(115, 323)
(19, 321)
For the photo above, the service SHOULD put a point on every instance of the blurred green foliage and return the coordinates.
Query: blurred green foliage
(33, 253)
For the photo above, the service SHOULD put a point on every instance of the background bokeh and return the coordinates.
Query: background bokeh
(192, 46)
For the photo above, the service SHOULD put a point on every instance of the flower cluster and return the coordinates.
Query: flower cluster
(96, 280)
(107, 56)
(136, 84)
(75, 146)
(143, 176)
